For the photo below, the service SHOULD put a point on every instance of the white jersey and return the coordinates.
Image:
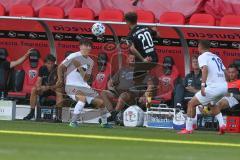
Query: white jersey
(215, 68)
(73, 77)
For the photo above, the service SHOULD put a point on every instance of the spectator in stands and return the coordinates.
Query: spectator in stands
(45, 84)
(121, 87)
(233, 97)
(104, 71)
(5, 67)
(190, 86)
(167, 76)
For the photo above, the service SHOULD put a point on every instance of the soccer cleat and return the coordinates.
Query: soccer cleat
(194, 126)
(222, 130)
(184, 131)
(73, 124)
(29, 116)
(107, 125)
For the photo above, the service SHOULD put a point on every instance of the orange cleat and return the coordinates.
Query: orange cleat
(222, 130)
(184, 131)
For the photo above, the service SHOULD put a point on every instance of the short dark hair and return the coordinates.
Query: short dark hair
(50, 58)
(205, 44)
(233, 66)
(131, 17)
(85, 41)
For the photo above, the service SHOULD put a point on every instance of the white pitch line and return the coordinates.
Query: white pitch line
(118, 138)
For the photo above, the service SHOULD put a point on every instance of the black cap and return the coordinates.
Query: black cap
(168, 61)
(3, 53)
(34, 58)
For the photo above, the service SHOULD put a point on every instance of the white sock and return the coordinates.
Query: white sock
(189, 124)
(195, 118)
(220, 119)
(103, 115)
(79, 107)
(77, 110)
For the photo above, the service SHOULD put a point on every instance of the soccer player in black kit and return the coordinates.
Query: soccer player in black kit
(140, 40)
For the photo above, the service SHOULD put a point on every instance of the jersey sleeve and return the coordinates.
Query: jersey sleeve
(202, 61)
(130, 39)
(67, 61)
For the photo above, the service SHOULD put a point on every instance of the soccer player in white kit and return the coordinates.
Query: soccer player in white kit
(213, 87)
(76, 69)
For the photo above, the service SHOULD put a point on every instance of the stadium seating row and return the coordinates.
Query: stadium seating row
(118, 15)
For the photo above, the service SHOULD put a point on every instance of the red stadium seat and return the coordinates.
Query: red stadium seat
(81, 13)
(22, 10)
(145, 16)
(51, 12)
(111, 15)
(172, 18)
(230, 21)
(2, 10)
(202, 19)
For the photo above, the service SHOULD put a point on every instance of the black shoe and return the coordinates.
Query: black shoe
(29, 116)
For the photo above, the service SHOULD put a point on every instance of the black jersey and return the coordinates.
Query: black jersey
(141, 37)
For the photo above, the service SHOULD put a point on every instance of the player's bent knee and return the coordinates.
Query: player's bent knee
(80, 97)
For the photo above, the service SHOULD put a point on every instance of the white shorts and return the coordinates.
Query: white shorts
(213, 94)
(231, 101)
(84, 88)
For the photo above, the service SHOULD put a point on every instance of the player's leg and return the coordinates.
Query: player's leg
(225, 102)
(191, 113)
(217, 94)
(124, 99)
(141, 70)
(81, 101)
(108, 97)
(99, 103)
(216, 111)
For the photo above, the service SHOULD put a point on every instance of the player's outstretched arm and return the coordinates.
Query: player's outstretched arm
(136, 53)
(156, 33)
(20, 60)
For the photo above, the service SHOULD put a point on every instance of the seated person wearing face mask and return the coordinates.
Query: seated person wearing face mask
(104, 72)
(167, 76)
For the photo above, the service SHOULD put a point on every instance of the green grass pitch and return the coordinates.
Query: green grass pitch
(90, 142)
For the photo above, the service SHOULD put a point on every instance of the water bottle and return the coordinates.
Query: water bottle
(2, 95)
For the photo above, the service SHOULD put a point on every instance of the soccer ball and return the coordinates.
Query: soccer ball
(98, 29)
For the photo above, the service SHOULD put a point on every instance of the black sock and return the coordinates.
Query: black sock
(32, 110)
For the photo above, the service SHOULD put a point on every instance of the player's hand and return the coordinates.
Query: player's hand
(203, 91)
(28, 53)
(191, 89)
(142, 99)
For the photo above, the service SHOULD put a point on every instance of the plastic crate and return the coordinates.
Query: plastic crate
(233, 124)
